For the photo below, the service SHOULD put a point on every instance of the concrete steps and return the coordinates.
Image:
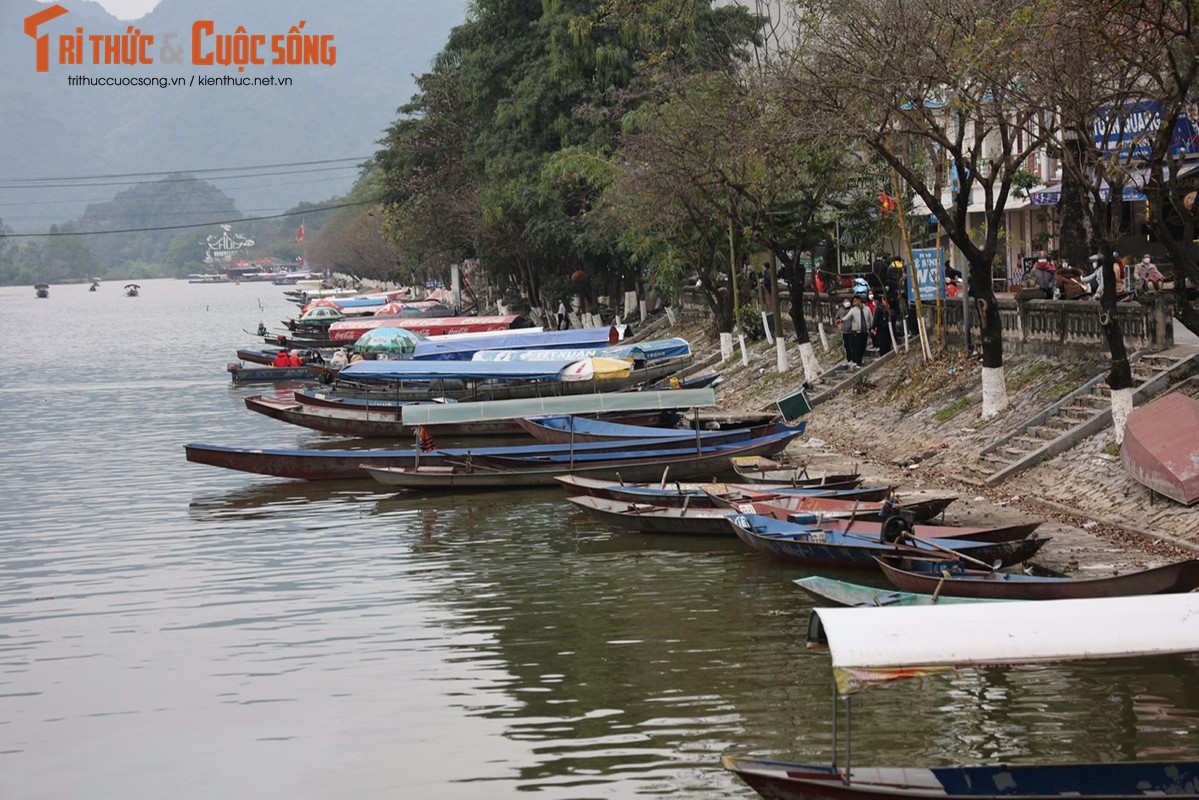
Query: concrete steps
(1082, 413)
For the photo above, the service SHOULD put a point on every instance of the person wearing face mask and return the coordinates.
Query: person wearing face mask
(855, 326)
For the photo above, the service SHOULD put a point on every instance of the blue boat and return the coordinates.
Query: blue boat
(807, 544)
(467, 347)
(566, 428)
(641, 352)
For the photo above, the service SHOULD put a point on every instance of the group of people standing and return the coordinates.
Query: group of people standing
(865, 318)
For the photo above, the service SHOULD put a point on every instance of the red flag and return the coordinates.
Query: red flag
(885, 203)
(300, 233)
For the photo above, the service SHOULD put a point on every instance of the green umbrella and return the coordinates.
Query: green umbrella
(394, 341)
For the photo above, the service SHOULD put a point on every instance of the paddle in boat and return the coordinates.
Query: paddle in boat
(955, 579)
(870, 646)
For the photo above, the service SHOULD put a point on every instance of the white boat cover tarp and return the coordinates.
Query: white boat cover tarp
(873, 645)
(561, 404)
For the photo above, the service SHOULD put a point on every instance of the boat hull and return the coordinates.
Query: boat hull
(503, 472)
(956, 581)
(566, 429)
(843, 593)
(243, 374)
(383, 423)
(700, 495)
(345, 464)
(780, 780)
(1161, 447)
(656, 519)
(809, 545)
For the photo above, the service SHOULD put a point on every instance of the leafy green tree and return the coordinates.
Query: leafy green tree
(469, 169)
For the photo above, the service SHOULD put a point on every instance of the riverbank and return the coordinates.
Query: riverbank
(917, 425)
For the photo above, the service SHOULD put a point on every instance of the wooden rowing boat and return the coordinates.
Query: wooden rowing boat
(809, 545)
(843, 506)
(1161, 447)
(345, 463)
(844, 593)
(676, 493)
(506, 471)
(951, 578)
(704, 520)
(565, 428)
(767, 470)
(874, 527)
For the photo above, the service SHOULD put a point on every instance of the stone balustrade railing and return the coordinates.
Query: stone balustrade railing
(1028, 325)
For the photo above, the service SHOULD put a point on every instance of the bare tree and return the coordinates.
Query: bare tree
(1159, 44)
(359, 243)
(938, 90)
(1119, 82)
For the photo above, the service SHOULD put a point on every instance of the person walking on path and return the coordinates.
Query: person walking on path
(563, 321)
(855, 324)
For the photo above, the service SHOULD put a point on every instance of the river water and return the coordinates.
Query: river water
(174, 630)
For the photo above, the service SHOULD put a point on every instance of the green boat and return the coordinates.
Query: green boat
(843, 593)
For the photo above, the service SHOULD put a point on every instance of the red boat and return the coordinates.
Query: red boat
(349, 330)
(1161, 447)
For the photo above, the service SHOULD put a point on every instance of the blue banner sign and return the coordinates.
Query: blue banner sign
(1127, 131)
(929, 265)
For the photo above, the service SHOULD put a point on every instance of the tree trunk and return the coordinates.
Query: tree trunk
(797, 313)
(1119, 378)
(995, 398)
(1075, 229)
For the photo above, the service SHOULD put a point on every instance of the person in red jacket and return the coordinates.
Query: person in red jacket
(282, 359)
(294, 360)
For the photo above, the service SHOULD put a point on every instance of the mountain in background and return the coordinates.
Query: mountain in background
(50, 129)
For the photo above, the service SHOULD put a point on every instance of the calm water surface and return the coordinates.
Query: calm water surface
(174, 630)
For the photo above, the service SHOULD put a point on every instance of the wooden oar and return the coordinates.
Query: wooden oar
(956, 554)
(940, 584)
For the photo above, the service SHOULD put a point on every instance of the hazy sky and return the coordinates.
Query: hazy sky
(127, 9)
